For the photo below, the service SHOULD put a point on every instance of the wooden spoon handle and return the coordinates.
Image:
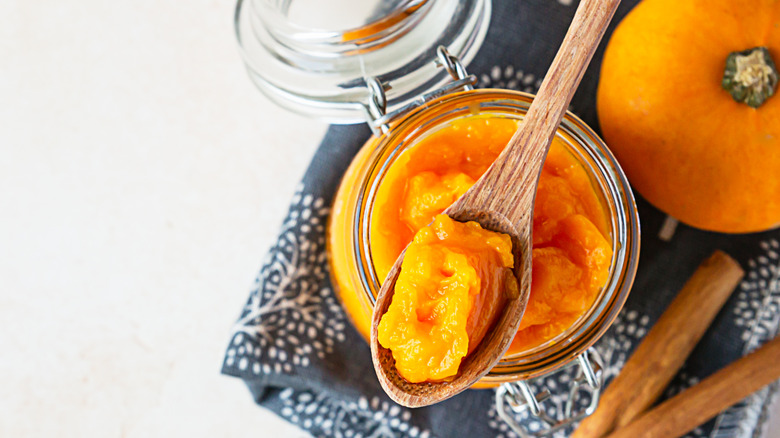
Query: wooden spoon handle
(567, 69)
(701, 402)
(512, 179)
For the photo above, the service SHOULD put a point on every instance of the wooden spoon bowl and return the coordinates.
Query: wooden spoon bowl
(502, 200)
(476, 364)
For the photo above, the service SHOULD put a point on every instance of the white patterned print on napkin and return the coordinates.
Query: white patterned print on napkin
(363, 418)
(289, 317)
(511, 78)
(758, 312)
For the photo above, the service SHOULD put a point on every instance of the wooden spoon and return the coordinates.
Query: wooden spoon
(503, 200)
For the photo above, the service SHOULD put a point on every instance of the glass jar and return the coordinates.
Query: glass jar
(349, 247)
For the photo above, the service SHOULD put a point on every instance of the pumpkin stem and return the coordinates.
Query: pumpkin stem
(750, 76)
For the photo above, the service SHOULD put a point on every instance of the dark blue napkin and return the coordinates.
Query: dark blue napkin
(299, 356)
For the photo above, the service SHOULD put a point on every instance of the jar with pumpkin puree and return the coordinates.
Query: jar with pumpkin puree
(585, 236)
(434, 136)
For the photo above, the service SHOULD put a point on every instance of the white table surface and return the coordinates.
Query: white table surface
(142, 178)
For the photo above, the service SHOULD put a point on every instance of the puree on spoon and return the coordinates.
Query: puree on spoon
(451, 283)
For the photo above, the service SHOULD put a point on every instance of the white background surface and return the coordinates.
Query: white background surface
(142, 177)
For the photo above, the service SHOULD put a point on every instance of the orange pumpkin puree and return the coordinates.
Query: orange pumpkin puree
(446, 297)
(572, 252)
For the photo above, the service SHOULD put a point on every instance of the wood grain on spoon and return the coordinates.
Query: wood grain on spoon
(502, 200)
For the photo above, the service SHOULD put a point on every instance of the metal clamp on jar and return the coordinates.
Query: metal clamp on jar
(514, 398)
(399, 68)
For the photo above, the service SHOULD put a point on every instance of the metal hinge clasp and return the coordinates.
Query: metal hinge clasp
(376, 108)
(514, 398)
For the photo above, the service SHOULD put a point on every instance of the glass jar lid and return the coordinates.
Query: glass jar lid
(322, 58)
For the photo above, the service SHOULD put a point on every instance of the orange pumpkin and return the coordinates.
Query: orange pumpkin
(686, 103)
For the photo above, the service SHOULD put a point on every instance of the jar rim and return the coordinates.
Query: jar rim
(556, 353)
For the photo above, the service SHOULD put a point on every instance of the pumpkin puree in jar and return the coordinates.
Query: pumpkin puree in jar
(446, 297)
(572, 252)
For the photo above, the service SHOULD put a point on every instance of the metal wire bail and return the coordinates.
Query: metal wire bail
(376, 108)
(452, 64)
(513, 398)
(377, 104)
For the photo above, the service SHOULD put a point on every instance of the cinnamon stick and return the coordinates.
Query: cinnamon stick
(701, 402)
(665, 348)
